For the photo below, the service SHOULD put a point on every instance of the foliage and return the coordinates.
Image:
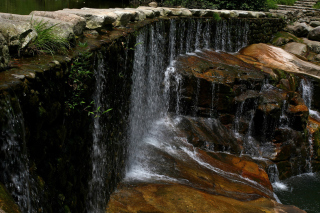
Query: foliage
(216, 17)
(47, 41)
(317, 5)
(79, 75)
(226, 4)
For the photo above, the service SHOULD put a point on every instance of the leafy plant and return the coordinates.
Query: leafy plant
(78, 77)
(84, 44)
(47, 41)
(216, 17)
(98, 112)
(317, 5)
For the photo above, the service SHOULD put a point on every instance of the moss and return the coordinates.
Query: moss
(6, 201)
(286, 36)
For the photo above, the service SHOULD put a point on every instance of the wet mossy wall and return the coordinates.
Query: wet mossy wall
(262, 30)
(59, 139)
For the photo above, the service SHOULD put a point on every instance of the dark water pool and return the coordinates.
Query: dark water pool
(24, 7)
(302, 191)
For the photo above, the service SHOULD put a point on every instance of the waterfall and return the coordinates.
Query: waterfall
(97, 195)
(307, 95)
(154, 76)
(14, 160)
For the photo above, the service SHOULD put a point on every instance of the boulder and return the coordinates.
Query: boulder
(152, 12)
(315, 23)
(78, 23)
(60, 28)
(153, 4)
(18, 34)
(314, 34)
(314, 46)
(277, 58)
(299, 29)
(296, 48)
(4, 53)
(95, 19)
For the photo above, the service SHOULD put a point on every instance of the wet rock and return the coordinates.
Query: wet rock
(205, 190)
(314, 34)
(299, 29)
(296, 48)
(18, 34)
(78, 23)
(4, 53)
(7, 203)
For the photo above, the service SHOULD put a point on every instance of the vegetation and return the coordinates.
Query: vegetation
(317, 5)
(79, 77)
(47, 41)
(223, 4)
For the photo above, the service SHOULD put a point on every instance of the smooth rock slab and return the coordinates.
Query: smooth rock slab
(78, 23)
(277, 58)
(4, 53)
(296, 48)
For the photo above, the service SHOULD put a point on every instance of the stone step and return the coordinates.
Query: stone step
(286, 7)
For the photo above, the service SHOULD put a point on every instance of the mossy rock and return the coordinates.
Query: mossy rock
(282, 38)
(7, 203)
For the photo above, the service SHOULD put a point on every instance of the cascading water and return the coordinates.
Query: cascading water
(307, 93)
(14, 160)
(97, 195)
(151, 127)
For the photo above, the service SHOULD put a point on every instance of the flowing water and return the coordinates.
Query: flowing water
(151, 82)
(14, 160)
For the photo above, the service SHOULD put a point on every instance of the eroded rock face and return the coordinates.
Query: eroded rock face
(4, 53)
(7, 203)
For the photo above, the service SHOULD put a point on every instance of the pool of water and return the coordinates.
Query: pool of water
(302, 191)
(24, 7)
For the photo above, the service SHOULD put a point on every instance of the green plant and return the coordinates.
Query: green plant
(47, 41)
(84, 44)
(216, 17)
(78, 77)
(317, 5)
(98, 112)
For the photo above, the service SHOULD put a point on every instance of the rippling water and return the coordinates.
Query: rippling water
(302, 191)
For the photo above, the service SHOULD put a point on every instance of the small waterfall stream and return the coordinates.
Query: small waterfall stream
(14, 160)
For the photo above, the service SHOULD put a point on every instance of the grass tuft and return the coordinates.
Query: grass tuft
(47, 41)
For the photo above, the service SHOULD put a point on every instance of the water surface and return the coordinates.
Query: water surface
(24, 7)
(302, 191)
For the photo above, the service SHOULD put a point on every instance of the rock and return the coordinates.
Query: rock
(18, 34)
(277, 58)
(60, 28)
(78, 23)
(314, 46)
(314, 34)
(95, 18)
(7, 203)
(282, 38)
(92, 33)
(317, 57)
(299, 29)
(296, 48)
(153, 12)
(4, 53)
(315, 23)
(124, 17)
(153, 4)
(196, 12)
